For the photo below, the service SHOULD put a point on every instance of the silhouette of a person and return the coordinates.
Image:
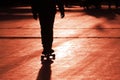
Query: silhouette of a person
(45, 10)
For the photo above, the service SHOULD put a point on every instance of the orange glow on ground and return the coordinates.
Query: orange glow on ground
(86, 44)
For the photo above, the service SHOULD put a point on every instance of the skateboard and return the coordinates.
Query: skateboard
(47, 57)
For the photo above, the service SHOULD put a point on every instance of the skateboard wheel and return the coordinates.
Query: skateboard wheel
(42, 58)
(54, 56)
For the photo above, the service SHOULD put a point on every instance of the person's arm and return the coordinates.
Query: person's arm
(61, 7)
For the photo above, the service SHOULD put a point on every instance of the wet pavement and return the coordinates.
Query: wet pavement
(86, 44)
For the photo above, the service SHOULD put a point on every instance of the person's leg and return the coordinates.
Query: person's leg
(46, 23)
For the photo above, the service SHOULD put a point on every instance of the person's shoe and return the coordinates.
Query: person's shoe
(51, 51)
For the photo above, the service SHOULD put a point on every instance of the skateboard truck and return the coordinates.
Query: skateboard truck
(46, 57)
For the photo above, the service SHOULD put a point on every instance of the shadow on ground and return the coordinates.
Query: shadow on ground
(107, 13)
(14, 13)
(24, 12)
(45, 71)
